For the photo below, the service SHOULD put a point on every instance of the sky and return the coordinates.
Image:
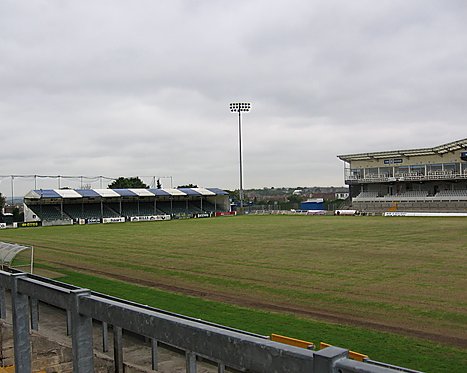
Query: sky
(142, 88)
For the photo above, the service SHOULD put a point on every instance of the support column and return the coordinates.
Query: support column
(2, 303)
(68, 322)
(34, 310)
(118, 349)
(154, 354)
(81, 334)
(105, 337)
(21, 338)
(220, 368)
(190, 362)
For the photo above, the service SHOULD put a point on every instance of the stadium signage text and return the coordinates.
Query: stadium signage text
(2, 225)
(29, 224)
(202, 215)
(93, 221)
(150, 218)
(393, 161)
(226, 213)
(113, 220)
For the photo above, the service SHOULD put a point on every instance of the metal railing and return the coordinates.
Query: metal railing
(227, 347)
(410, 176)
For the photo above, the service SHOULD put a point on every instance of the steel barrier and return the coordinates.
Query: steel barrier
(227, 347)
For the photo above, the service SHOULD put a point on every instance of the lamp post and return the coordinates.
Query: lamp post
(234, 108)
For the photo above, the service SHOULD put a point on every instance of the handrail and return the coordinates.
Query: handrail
(225, 346)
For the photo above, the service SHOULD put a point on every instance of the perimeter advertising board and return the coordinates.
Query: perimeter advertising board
(2, 225)
(432, 214)
(113, 220)
(202, 215)
(226, 213)
(29, 224)
(93, 221)
(150, 218)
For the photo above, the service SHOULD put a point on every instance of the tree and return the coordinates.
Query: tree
(188, 186)
(128, 182)
(2, 202)
(159, 185)
(18, 215)
(295, 198)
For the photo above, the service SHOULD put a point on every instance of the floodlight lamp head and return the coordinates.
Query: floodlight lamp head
(240, 106)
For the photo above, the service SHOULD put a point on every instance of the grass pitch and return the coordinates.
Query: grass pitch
(406, 275)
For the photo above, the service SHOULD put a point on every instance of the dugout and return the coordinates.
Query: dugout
(10, 251)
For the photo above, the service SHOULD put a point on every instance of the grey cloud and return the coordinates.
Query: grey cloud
(119, 88)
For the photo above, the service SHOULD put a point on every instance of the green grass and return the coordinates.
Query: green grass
(404, 351)
(407, 273)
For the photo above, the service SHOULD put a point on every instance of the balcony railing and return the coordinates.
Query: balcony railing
(407, 176)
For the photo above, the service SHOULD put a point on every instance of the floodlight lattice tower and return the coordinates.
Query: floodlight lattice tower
(238, 107)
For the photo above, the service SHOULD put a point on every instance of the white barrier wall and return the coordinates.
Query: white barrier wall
(425, 213)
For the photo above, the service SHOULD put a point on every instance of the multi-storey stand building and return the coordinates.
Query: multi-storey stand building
(427, 179)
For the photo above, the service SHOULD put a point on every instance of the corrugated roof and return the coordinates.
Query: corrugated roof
(125, 192)
(174, 192)
(204, 191)
(159, 192)
(218, 191)
(441, 149)
(142, 192)
(89, 193)
(190, 191)
(67, 193)
(107, 193)
(48, 193)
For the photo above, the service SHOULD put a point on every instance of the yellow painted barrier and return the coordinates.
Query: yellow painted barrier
(352, 354)
(292, 341)
(11, 369)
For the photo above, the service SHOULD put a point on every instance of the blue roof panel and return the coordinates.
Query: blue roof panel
(48, 193)
(218, 191)
(88, 193)
(159, 192)
(126, 192)
(190, 192)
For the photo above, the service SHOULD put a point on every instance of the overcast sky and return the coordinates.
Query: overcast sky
(126, 88)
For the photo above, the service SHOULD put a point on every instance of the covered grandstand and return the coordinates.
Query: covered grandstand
(427, 179)
(68, 206)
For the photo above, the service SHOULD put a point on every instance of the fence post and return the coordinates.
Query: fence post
(81, 334)
(21, 338)
(190, 362)
(68, 322)
(324, 360)
(2, 303)
(118, 349)
(105, 337)
(220, 368)
(34, 309)
(154, 354)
